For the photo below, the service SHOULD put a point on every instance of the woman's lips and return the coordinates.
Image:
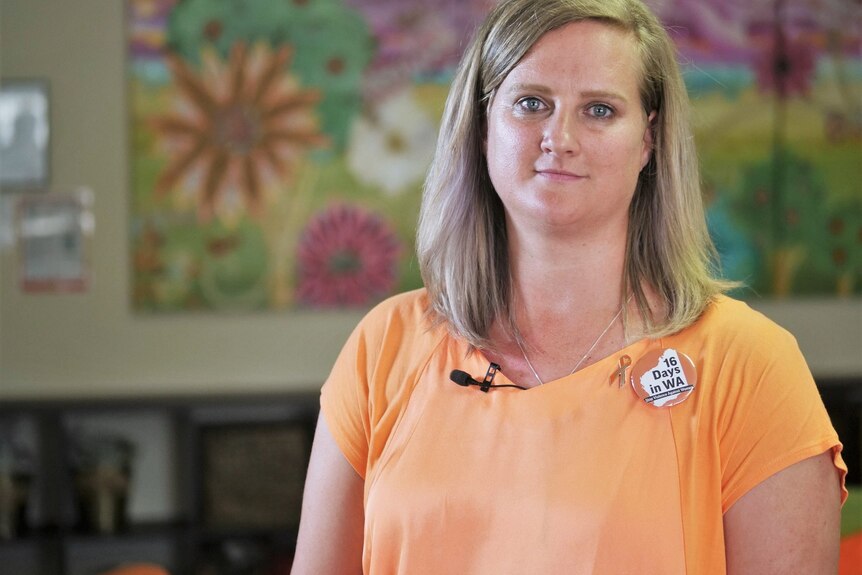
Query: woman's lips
(559, 175)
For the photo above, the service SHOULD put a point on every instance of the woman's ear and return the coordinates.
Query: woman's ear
(649, 139)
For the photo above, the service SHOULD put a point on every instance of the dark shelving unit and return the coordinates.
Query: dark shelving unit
(54, 542)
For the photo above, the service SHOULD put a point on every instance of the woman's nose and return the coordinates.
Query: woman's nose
(559, 136)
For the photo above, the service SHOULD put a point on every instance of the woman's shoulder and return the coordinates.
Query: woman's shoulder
(408, 302)
(408, 308)
(390, 346)
(725, 313)
(734, 325)
(403, 317)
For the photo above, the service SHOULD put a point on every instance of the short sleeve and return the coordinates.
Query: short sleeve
(344, 401)
(777, 417)
(373, 377)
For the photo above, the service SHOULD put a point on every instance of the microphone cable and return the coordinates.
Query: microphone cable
(463, 379)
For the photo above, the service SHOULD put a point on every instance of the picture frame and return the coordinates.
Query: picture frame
(25, 135)
(252, 475)
(52, 232)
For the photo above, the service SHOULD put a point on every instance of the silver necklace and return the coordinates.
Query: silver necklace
(586, 355)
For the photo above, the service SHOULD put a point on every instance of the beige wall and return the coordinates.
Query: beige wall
(92, 344)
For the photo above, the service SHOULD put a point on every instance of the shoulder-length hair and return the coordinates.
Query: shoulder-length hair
(461, 239)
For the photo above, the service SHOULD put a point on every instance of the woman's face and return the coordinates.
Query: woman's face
(567, 136)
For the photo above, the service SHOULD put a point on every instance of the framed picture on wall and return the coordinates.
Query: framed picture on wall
(253, 475)
(24, 135)
(52, 230)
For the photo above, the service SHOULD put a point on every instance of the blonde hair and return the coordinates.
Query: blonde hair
(461, 239)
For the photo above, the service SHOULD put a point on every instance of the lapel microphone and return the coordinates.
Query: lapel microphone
(463, 379)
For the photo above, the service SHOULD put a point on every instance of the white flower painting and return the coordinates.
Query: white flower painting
(391, 147)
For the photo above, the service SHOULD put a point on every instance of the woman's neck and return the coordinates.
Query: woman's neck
(565, 278)
(566, 300)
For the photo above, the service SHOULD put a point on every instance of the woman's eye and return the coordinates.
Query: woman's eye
(601, 111)
(531, 104)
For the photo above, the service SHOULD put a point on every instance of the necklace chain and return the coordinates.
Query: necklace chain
(585, 356)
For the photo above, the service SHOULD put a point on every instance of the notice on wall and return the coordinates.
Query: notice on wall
(52, 241)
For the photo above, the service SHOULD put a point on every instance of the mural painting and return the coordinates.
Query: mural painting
(278, 148)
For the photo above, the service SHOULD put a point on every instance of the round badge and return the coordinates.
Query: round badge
(663, 377)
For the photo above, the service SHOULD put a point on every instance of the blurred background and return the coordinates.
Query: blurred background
(200, 198)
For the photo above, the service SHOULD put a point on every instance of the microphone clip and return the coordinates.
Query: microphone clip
(489, 377)
(463, 379)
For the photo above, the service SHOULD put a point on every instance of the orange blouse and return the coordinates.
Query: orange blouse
(576, 476)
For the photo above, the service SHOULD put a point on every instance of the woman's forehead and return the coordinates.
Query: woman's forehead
(582, 51)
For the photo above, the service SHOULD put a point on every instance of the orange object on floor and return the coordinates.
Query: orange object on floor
(850, 562)
(138, 569)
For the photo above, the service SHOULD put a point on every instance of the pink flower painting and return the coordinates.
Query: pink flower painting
(416, 38)
(786, 67)
(347, 257)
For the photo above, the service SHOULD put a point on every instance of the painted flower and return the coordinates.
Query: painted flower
(726, 31)
(416, 38)
(392, 148)
(346, 257)
(711, 31)
(787, 67)
(333, 46)
(236, 126)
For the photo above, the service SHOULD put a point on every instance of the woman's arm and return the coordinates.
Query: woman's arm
(789, 523)
(331, 529)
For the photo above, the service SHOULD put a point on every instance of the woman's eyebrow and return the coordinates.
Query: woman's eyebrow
(535, 88)
(603, 95)
(544, 90)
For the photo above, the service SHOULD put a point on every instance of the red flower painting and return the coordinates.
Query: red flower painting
(347, 257)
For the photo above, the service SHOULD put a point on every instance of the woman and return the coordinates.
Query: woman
(660, 427)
